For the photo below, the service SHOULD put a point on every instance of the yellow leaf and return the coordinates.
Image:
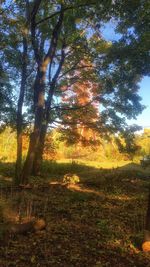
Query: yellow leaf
(33, 259)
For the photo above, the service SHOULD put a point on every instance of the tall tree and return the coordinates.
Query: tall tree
(80, 109)
(133, 49)
(58, 43)
(61, 35)
(39, 85)
(16, 59)
(19, 120)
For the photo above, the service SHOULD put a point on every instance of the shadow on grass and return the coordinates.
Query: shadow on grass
(54, 169)
(7, 169)
(131, 166)
(112, 220)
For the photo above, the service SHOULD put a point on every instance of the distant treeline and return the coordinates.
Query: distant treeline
(56, 148)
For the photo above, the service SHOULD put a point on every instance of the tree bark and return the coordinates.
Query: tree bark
(19, 112)
(40, 147)
(39, 87)
(147, 222)
(37, 164)
(35, 135)
(146, 241)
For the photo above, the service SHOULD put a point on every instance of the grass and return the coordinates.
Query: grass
(98, 223)
(96, 164)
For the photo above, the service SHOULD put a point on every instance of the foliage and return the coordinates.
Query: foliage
(127, 143)
(92, 84)
(70, 178)
(134, 42)
(57, 149)
(85, 88)
(144, 141)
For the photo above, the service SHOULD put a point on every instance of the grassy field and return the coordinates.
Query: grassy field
(96, 223)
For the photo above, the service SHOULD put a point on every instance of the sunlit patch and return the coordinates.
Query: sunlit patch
(54, 182)
(146, 246)
(9, 179)
(80, 188)
(123, 197)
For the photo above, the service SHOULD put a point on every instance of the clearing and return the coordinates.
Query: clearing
(96, 223)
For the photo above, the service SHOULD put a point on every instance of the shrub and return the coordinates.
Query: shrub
(71, 179)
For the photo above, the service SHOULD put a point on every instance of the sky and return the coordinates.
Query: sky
(144, 92)
(143, 119)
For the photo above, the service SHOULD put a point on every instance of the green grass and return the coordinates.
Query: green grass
(97, 164)
(86, 169)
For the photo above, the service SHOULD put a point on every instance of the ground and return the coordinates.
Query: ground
(96, 223)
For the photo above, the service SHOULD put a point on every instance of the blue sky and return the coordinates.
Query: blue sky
(143, 119)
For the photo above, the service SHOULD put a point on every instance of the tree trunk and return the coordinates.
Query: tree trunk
(146, 242)
(39, 102)
(39, 86)
(19, 156)
(39, 152)
(19, 112)
(40, 147)
(147, 222)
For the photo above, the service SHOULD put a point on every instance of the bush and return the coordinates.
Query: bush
(71, 179)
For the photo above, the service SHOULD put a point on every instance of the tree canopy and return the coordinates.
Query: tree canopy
(58, 71)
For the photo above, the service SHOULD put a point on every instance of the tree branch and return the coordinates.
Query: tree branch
(77, 123)
(74, 68)
(51, 52)
(34, 41)
(36, 5)
(65, 9)
(78, 107)
(60, 64)
(54, 81)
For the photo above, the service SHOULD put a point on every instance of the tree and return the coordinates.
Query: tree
(127, 142)
(16, 59)
(62, 35)
(134, 43)
(80, 109)
(133, 49)
(39, 85)
(6, 103)
(19, 120)
(7, 109)
(69, 39)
